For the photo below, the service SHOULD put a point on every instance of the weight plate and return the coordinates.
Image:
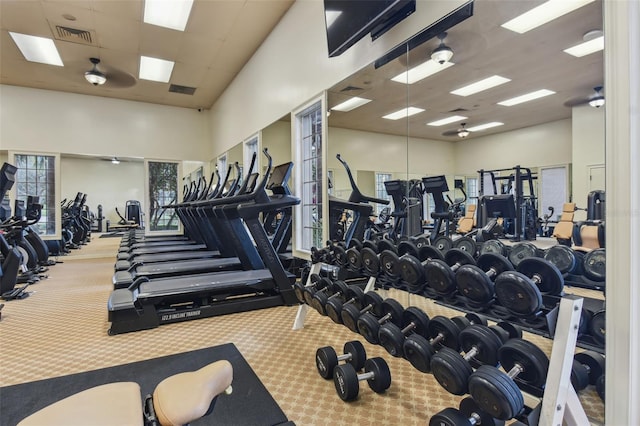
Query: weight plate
(594, 361)
(461, 322)
(496, 393)
(370, 261)
(518, 294)
(356, 293)
(333, 309)
(585, 321)
(470, 409)
(429, 253)
(368, 327)
(375, 300)
(440, 277)
(474, 284)
(449, 417)
(458, 257)
(407, 247)
(345, 380)
(418, 351)
(493, 246)
(381, 380)
(353, 258)
(394, 309)
(513, 330)
(389, 263)
(485, 342)
(451, 371)
(417, 317)
(386, 245)
(357, 352)
(326, 361)
(597, 327)
(579, 376)
(447, 331)
(494, 264)
(391, 338)
(522, 251)
(476, 318)
(594, 265)
(544, 274)
(600, 387)
(502, 334)
(340, 255)
(530, 357)
(371, 244)
(421, 241)
(355, 243)
(563, 257)
(466, 244)
(579, 269)
(443, 243)
(412, 272)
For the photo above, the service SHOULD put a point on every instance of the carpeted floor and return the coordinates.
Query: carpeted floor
(62, 328)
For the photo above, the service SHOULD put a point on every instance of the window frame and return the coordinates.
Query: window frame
(147, 197)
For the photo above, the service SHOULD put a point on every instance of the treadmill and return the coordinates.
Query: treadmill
(149, 303)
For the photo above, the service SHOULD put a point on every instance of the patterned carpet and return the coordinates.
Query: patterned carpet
(62, 329)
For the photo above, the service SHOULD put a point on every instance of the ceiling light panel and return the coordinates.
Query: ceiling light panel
(485, 126)
(527, 97)
(422, 71)
(37, 49)
(351, 104)
(586, 48)
(403, 113)
(479, 86)
(542, 14)
(155, 69)
(172, 14)
(452, 119)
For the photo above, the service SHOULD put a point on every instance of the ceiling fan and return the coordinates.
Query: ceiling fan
(461, 131)
(595, 99)
(102, 75)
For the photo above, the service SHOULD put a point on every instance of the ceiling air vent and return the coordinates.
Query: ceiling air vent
(351, 89)
(185, 90)
(74, 35)
(459, 110)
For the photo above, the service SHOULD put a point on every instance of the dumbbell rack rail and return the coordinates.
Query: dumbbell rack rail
(560, 403)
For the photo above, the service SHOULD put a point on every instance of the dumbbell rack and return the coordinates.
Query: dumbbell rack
(560, 402)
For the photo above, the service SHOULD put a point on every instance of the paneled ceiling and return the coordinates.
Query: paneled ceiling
(220, 37)
(482, 48)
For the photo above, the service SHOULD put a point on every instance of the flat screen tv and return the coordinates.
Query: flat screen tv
(348, 21)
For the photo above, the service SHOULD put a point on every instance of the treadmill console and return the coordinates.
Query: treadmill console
(279, 178)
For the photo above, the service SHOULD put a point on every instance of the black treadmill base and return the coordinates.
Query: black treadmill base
(125, 321)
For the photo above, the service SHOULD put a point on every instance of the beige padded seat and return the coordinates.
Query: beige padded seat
(467, 223)
(590, 238)
(185, 397)
(564, 228)
(106, 405)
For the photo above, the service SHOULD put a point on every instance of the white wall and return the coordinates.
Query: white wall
(48, 121)
(587, 148)
(277, 139)
(104, 183)
(292, 66)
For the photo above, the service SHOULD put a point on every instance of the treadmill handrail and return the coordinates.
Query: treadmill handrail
(357, 196)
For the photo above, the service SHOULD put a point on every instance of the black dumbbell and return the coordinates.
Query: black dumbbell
(347, 380)
(418, 350)
(350, 313)
(298, 287)
(475, 282)
(327, 359)
(521, 251)
(506, 331)
(469, 319)
(469, 414)
(391, 337)
(600, 385)
(467, 244)
(493, 246)
(369, 255)
(369, 325)
(587, 368)
(323, 285)
(496, 392)
(441, 274)
(412, 267)
(333, 307)
(319, 299)
(564, 258)
(452, 370)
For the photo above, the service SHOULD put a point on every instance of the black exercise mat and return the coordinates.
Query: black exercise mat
(117, 234)
(249, 404)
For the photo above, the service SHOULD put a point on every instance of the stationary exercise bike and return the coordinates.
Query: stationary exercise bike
(177, 400)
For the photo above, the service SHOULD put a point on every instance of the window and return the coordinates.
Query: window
(163, 190)
(251, 147)
(472, 191)
(309, 177)
(36, 177)
(381, 190)
(222, 165)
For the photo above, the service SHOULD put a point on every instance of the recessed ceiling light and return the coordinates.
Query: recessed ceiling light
(155, 69)
(447, 120)
(421, 71)
(350, 104)
(479, 86)
(403, 113)
(586, 48)
(172, 14)
(485, 126)
(542, 14)
(37, 49)
(527, 97)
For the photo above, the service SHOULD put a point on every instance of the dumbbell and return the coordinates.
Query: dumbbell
(353, 259)
(347, 380)
(418, 350)
(587, 368)
(496, 392)
(333, 307)
(298, 287)
(521, 251)
(469, 414)
(369, 255)
(440, 274)
(320, 297)
(327, 359)
(369, 325)
(475, 282)
(469, 319)
(391, 336)
(506, 331)
(520, 292)
(323, 285)
(600, 386)
(452, 369)
(493, 246)
(566, 260)
(351, 312)
(412, 267)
